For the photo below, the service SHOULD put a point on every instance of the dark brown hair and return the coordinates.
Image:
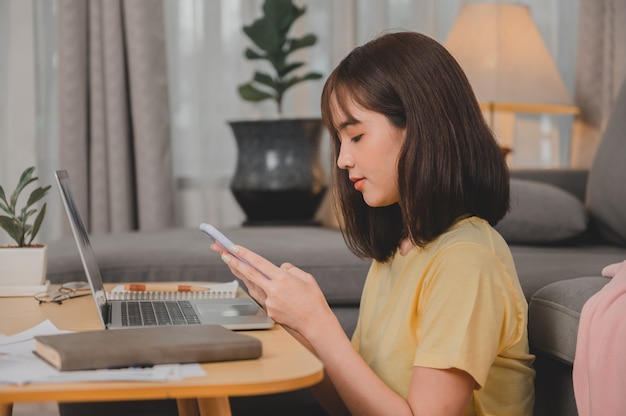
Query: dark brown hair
(450, 164)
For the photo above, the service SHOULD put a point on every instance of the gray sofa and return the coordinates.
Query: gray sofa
(563, 228)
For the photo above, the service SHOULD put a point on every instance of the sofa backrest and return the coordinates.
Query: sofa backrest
(606, 186)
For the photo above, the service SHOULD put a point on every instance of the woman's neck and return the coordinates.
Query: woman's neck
(406, 245)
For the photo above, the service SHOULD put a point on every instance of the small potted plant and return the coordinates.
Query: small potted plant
(23, 263)
(278, 178)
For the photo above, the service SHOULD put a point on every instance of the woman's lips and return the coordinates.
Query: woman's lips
(359, 183)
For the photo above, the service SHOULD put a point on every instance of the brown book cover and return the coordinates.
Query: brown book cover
(145, 346)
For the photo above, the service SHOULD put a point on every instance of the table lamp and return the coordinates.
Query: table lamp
(501, 51)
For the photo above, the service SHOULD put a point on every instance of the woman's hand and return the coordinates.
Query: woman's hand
(290, 296)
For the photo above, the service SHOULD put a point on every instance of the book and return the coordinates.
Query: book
(213, 290)
(140, 347)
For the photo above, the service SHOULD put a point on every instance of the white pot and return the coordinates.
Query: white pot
(23, 266)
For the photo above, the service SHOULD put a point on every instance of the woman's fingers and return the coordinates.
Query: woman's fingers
(290, 295)
(254, 290)
(260, 264)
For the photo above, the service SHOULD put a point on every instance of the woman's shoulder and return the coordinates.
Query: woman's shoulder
(470, 230)
(474, 237)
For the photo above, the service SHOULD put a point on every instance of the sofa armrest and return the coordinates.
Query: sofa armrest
(572, 180)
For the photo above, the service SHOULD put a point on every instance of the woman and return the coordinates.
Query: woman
(420, 181)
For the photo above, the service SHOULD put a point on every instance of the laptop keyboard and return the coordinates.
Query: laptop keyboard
(156, 312)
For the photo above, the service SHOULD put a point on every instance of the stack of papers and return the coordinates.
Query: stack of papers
(20, 366)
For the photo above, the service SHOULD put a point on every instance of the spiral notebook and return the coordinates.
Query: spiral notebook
(238, 312)
(214, 291)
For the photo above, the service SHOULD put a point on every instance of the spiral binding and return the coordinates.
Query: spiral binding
(217, 291)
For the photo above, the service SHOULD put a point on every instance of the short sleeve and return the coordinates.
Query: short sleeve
(468, 312)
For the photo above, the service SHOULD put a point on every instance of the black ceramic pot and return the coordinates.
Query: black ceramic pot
(279, 179)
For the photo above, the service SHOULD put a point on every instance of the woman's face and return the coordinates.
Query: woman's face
(369, 150)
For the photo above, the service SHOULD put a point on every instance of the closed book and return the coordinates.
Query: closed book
(134, 347)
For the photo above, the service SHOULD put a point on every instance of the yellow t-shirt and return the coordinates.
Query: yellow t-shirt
(456, 303)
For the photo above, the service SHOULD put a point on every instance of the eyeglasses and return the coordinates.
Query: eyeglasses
(66, 291)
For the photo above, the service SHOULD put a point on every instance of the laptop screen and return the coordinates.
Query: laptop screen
(84, 246)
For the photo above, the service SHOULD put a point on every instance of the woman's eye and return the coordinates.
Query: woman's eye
(356, 138)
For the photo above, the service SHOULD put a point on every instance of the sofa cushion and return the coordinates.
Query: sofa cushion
(541, 213)
(554, 312)
(606, 191)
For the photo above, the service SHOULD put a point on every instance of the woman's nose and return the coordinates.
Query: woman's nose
(344, 160)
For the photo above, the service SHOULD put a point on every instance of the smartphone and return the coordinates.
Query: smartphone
(224, 241)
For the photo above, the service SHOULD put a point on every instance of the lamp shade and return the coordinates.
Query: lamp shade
(502, 53)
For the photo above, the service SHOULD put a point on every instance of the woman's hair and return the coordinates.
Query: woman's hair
(450, 164)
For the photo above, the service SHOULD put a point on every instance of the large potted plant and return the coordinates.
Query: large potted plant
(23, 263)
(278, 178)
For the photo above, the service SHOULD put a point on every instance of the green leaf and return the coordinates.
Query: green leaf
(2, 195)
(278, 61)
(289, 68)
(312, 76)
(303, 42)
(37, 194)
(26, 176)
(249, 93)
(13, 228)
(252, 55)
(265, 79)
(37, 224)
(4, 206)
(261, 34)
(25, 215)
(281, 14)
(25, 179)
(295, 80)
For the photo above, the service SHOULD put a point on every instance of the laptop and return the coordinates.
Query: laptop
(239, 313)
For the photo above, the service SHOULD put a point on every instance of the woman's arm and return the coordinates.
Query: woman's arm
(324, 391)
(431, 391)
(293, 299)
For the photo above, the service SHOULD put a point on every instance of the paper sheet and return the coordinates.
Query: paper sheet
(20, 366)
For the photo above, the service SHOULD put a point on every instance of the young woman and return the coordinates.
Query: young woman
(419, 182)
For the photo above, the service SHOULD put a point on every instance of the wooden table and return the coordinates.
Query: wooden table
(285, 365)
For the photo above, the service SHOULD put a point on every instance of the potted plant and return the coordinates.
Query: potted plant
(23, 263)
(278, 178)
